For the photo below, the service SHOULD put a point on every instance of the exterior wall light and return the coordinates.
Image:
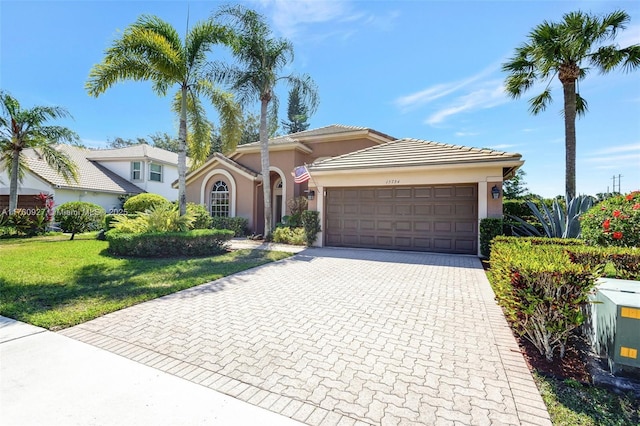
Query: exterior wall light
(311, 195)
(495, 192)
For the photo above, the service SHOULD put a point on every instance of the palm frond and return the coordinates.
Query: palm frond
(59, 161)
(581, 105)
(539, 103)
(230, 116)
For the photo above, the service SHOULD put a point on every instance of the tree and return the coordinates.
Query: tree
(263, 57)
(515, 188)
(568, 49)
(123, 143)
(151, 50)
(22, 129)
(296, 113)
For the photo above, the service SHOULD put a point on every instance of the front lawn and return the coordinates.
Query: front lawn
(55, 283)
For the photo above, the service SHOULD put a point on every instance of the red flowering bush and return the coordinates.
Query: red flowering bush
(613, 222)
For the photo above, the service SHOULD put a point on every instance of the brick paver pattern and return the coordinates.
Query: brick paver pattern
(344, 337)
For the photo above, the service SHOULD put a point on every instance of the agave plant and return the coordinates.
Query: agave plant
(557, 222)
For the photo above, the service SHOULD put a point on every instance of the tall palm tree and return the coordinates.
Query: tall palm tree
(151, 49)
(568, 49)
(21, 129)
(262, 57)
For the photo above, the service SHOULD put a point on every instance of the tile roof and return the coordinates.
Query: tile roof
(410, 153)
(332, 129)
(91, 175)
(142, 151)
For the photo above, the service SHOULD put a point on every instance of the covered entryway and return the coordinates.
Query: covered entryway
(438, 218)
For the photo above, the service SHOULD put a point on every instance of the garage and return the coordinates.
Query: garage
(438, 218)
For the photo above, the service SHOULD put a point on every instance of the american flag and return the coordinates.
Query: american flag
(301, 174)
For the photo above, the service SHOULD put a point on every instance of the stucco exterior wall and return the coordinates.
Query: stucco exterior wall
(30, 185)
(105, 200)
(169, 175)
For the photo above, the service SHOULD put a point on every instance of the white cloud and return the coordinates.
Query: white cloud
(292, 18)
(422, 97)
(490, 94)
(464, 134)
(620, 148)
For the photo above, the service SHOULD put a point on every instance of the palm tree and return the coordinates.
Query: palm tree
(151, 49)
(568, 49)
(262, 56)
(21, 129)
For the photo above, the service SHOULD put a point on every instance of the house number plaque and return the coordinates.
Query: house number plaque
(392, 181)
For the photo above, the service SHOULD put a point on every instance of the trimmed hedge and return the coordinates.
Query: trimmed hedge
(199, 242)
(239, 225)
(540, 289)
(489, 229)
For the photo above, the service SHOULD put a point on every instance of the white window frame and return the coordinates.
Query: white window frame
(139, 171)
(222, 208)
(153, 172)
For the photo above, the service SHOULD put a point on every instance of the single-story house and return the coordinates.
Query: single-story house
(370, 189)
(104, 176)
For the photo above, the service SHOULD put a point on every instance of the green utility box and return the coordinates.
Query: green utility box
(615, 323)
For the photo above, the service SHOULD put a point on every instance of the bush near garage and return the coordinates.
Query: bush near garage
(198, 242)
(540, 290)
(613, 222)
(289, 235)
(489, 229)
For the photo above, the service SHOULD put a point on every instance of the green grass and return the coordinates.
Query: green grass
(55, 283)
(571, 403)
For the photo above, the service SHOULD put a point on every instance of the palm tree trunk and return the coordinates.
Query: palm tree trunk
(13, 182)
(264, 155)
(182, 154)
(569, 88)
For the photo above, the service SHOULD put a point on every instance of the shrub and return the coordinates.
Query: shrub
(489, 229)
(288, 235)
(311, 225)
(239, 225)
(159, 218)
(79, 216)
(142, 202)
(541, 291)
(561, 221)
(296, 206)
(111, 217)
(198, 242)
(612, 262)
(201, 217)
(614, 222)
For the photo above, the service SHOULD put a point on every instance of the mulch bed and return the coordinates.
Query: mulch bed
(574, 365)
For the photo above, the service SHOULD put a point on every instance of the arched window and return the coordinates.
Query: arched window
(220, 199)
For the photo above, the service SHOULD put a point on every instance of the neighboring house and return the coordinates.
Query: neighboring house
(104, 176)
(149, 168)
(372, 190)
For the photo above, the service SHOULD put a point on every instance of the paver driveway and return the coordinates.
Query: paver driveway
(335, 336)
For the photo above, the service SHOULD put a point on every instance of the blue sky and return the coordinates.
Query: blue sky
(421, 69)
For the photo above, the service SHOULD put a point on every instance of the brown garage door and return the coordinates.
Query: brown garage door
(439, 218)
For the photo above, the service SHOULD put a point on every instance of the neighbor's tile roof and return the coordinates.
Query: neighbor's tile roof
(91, 175)
(141, 151)
(412, 152)
(332, 129)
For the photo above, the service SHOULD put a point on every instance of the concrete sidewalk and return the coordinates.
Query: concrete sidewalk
(50, 379)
